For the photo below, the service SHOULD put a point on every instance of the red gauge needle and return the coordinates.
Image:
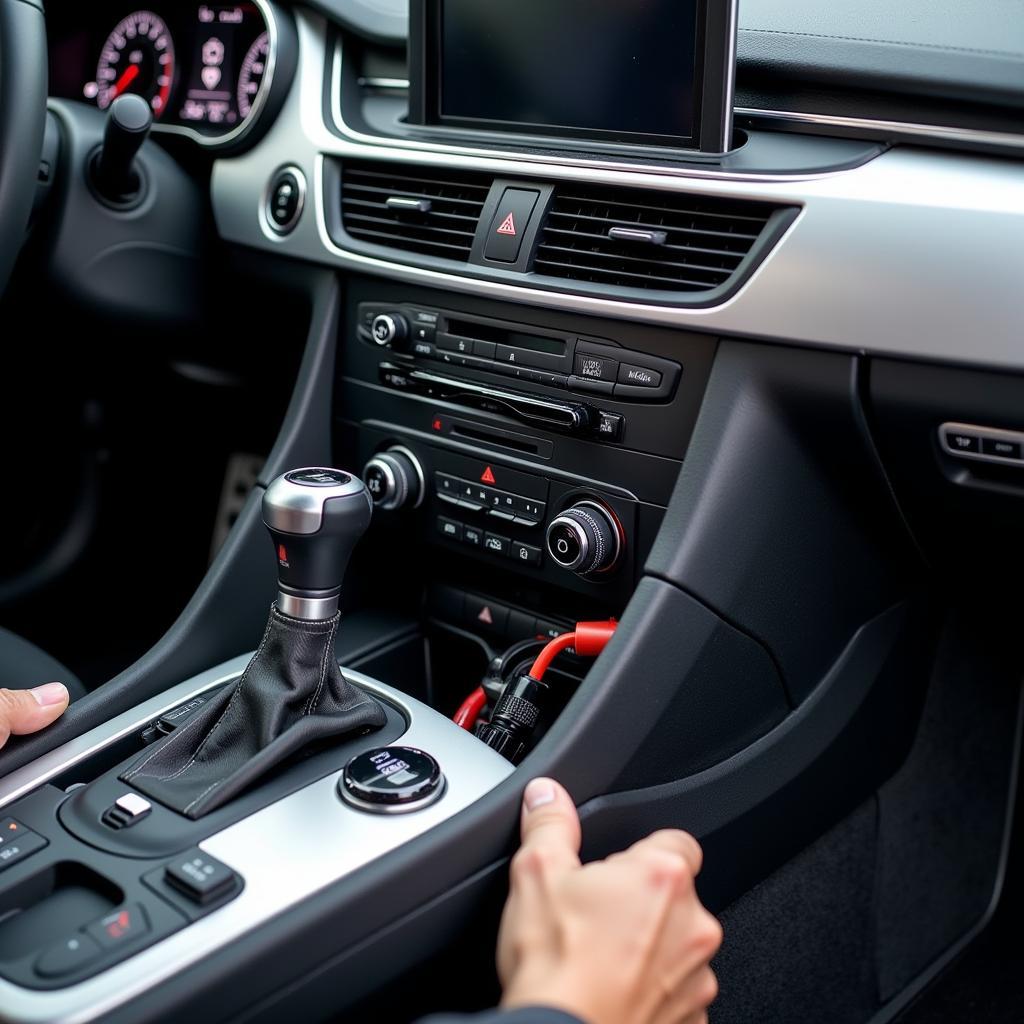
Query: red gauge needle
(130, 74)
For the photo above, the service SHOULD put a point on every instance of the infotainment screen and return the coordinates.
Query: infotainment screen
(623, 72)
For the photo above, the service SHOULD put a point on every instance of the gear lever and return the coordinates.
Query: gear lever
(315, 517)
(292, 692)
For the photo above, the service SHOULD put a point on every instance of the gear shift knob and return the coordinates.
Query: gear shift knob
(315, 518)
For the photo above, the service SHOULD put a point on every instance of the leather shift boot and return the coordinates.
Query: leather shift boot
(291, 694)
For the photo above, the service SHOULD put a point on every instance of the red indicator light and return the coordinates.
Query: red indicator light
(436, 425)
(282, 554)
(488, 477)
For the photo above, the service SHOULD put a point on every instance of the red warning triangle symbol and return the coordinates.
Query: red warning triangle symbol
(485, 616)
(508, 226)
(487, 477)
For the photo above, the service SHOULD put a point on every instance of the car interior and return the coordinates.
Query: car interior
(437, 394)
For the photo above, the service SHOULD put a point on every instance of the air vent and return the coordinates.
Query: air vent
(432, 211)
(647, 240)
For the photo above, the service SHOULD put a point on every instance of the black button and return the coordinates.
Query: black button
(521, 625)
(423, 348)
(200, 877)
(376, 481)
(552, 380)
(639, 376)
(599, 387)
(483, 349)
(609, 425)
(446, 484)
(496, 544)
(449, 528)
(67, 956)
(595, 367)
(15, 850)
(550, 630)
(530, 509)
(963, 442)
(1003, 449)
(10, 829)
(391, 778)
(447, 603)
(525, 554)
(564, 544)
(284, 202)
(120, 927)
(507, 229)
(447, 343)
(487, 614)
(473, 536)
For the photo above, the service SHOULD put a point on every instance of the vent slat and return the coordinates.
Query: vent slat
(445, 231)
(706, 238)
(629, 280)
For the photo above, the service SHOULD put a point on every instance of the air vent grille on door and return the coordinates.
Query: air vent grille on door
(646, 239)
(432, 211)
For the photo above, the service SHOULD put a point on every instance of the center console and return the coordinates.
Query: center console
(530, 453)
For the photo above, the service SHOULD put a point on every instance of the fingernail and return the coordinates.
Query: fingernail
(50, 693)
(538, 793)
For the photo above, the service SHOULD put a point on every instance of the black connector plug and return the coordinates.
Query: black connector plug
(514, 718)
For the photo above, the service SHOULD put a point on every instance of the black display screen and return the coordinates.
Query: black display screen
(614, 68)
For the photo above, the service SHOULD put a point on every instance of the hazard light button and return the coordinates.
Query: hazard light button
(512, 218)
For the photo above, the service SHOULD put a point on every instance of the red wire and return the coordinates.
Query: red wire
(466, 716)
(550, 652)
(589, 639)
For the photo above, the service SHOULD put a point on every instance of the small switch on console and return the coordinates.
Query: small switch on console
(200, 877)
(391, 780)
(67, 956)
(121, 927)
(127, 810)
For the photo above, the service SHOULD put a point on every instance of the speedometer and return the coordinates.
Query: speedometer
(250, 77)
(138, 57)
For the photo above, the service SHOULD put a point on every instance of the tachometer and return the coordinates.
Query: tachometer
(250, 77)
(138, 57)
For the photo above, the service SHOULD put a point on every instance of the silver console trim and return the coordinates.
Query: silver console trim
(981, 434)
(318, 836)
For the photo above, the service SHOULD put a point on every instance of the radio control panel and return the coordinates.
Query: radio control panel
(527, 354)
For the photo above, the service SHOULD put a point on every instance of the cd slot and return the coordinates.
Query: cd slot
(505, 440)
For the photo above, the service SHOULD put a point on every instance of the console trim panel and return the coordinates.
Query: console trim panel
(318, 836)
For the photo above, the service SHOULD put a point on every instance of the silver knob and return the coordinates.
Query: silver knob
(389, 329)
(395, 479)
(586, 539)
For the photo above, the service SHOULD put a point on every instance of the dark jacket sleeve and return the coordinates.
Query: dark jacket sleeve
(527, 1015)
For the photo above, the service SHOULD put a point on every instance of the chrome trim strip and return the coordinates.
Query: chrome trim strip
(926, 131)
(730, 83)
(383, 83)
(317, 835)
(245, 126)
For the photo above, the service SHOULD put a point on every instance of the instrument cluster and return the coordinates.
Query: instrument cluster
(204, 68)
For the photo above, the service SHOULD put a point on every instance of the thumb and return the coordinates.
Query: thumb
(549, 819)
(25, 711)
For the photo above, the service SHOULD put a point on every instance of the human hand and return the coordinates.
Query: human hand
(25, 711)
(620, 941)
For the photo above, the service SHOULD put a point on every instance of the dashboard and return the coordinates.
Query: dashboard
(203, 68)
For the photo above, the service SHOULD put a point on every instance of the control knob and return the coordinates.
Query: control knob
(389, 329)
(395, 479)
(586, 538)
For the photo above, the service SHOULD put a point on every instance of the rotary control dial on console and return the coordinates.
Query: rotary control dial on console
(389, 329)
(395, 479)
(586, 539)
